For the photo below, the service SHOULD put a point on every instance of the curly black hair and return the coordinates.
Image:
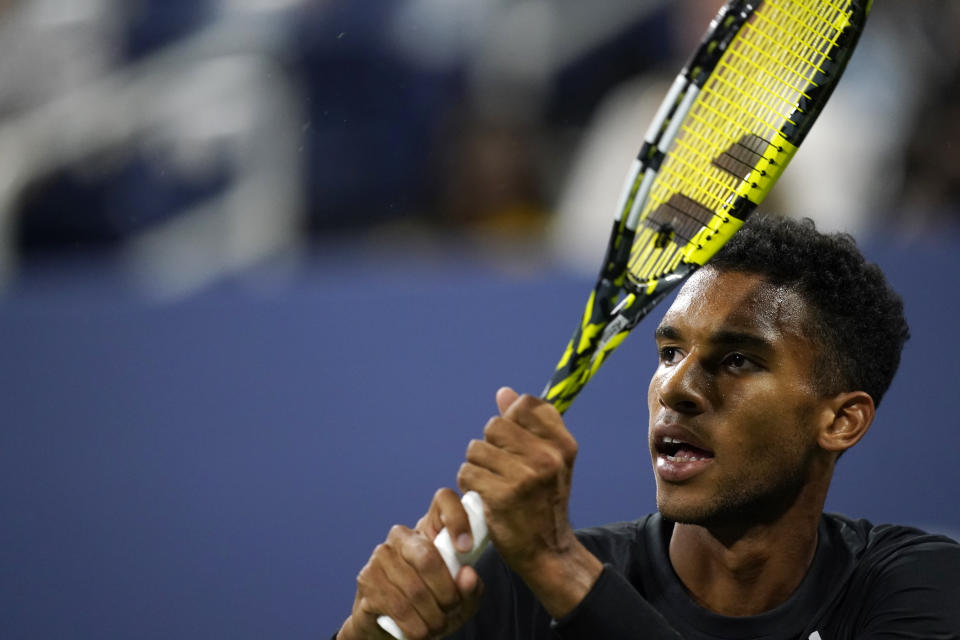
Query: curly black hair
(857, 318)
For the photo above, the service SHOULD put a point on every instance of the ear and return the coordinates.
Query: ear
(846, 420)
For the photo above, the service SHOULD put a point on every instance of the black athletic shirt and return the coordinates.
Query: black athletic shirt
(866, 582)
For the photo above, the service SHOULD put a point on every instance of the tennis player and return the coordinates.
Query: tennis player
(772, 361)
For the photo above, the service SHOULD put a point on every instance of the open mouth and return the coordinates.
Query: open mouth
(675, 450)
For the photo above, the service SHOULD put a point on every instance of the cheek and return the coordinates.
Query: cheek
(652, 391)
(757, 421)
(775, 428)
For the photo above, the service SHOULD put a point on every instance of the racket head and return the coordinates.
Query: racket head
(729, 126)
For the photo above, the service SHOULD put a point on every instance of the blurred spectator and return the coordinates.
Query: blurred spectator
(373, 113)
(48, 47)
(179, 148)
(154, 24)
(930, 198)
(927, 196)
(456, 113)
(384, 116)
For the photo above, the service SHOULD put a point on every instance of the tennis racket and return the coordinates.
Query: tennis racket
(728, 127)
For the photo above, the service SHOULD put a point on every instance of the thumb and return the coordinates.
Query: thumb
(505, 397)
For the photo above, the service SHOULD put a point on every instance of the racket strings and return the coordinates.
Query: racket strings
(733, 127)
(805, 58)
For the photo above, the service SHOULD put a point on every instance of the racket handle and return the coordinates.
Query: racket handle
(454, 559)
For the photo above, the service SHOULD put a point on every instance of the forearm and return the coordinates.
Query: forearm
(561, 581)
(587, 599)
(613, 609)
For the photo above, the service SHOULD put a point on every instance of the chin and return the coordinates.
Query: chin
(685, 511)
(725, 511)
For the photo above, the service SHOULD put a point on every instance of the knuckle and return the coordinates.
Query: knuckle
(473, 449)
(420, 633)
(552, 459)
(400, 607)
(449, 601)
(423, 555)
(417, 593)
(397, 532)
(436, 625)
(493, 427)
(362, 577)
(544, 462)
(527, 402)
(364, 604)
(527, 478)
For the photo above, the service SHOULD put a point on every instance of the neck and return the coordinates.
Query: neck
(746, 569)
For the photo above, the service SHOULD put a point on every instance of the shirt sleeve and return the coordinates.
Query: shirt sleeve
(613, 609)
(916, 595)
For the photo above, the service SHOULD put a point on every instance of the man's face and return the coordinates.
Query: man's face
(733, 407)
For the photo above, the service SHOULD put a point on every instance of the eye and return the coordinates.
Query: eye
(739, 362)
(669, 355)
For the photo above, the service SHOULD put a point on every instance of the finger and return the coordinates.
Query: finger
(492, 487)
(446, 510)
(467, 582)
(509, 435)
(542, 420)
(378, 594)
(471, 592)
(520, 449)
(529, 411)
(421, 554)
(505, 397)
(540, 463)
(414, 562)
(453, 517)
(504, 460)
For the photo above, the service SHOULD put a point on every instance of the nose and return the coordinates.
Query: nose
(681, 387)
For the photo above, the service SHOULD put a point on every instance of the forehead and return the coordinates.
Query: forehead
(714, 301)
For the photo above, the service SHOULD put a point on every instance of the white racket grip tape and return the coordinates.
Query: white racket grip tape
(454, 559)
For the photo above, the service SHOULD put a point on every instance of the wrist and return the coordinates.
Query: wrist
(561, 580)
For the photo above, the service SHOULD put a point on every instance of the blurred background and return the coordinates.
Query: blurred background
(264, 263)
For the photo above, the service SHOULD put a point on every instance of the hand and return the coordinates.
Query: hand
(407, 579)
(523, 469)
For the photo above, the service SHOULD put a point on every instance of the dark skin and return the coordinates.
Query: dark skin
(735, 379)
(522, 469)
(736, 372)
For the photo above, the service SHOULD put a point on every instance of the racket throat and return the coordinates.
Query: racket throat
(642, 298)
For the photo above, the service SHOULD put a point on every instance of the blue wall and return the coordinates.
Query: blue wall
(221, 467)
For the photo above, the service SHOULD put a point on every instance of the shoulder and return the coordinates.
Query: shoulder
(886, 544)
(903, 575)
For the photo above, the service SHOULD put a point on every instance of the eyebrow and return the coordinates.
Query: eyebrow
(723, 337)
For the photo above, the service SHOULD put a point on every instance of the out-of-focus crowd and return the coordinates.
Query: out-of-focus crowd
(193, 138)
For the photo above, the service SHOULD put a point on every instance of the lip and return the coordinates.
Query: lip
(673, 470)
(663, 430)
